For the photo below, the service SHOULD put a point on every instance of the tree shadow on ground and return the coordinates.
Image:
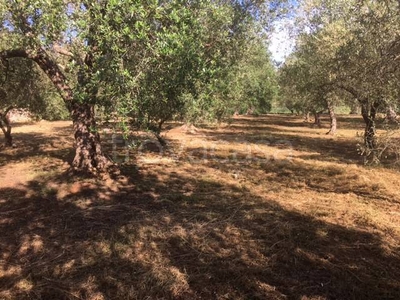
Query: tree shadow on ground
(287, 120)
(278, 120)
(320, 147)
(353, 122)
(285, 172)
(57, 143)
(30, 145)
(164, 235)
(325, 149)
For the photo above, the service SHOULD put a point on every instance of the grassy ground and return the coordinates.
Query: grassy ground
(266, 208)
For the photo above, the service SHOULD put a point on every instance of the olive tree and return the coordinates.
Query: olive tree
(24, 86)
(107, 53)
(356, 49)
(83, 48)
(367, 63)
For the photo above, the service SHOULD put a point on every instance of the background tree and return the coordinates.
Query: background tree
(24, 86)
(355, 49)
(202, 66)
(142, 59)
(31, 30)
(254, 86)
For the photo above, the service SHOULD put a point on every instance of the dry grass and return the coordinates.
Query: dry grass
(266, 208)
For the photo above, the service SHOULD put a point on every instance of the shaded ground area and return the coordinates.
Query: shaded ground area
(266, 208)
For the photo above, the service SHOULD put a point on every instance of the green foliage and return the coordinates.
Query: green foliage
(24, 85)
(199, 68)
(54, 108)
(346, 51)
(257, 84)
(345, 46)
(253, 85)
(151, 61)
(32, 23)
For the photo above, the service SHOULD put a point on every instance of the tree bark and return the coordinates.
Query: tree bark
(369, 116)
(307, 117)
(88, 153)
(368, 112)
(391, 115)
(317, 119)
(8, 138)
(5, 126)
(332, 116)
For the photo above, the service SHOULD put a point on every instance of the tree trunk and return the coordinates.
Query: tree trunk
(7, 133)
(158, 133)
(8, 137)
(355, 109)
(88, 153)
(307, 117)
(250, 111)
(369, 116)
(317, 119)
(5, 126)
(391, 115)
(332, 116)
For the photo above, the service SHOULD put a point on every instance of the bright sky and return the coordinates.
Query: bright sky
(281, 44)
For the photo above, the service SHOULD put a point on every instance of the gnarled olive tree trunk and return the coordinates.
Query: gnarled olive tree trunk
(368, 111)
(391, 115)
(307, 117)
(5, 126)
(88, 153)
(317, 118)
(332, 116)
(369, 117)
